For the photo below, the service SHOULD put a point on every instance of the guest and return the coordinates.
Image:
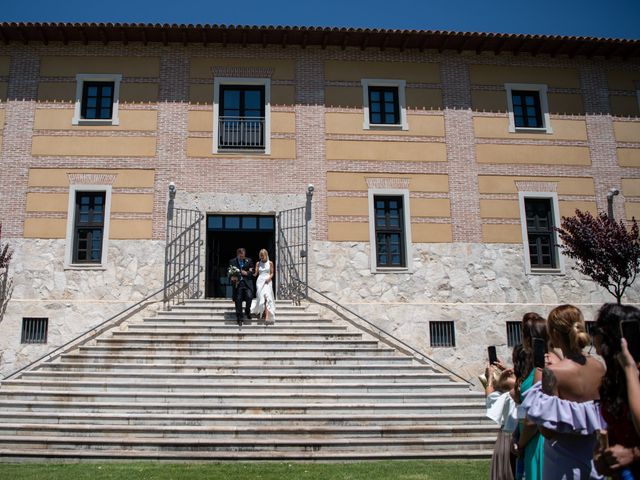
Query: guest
(530, 445)
(624, 450)
(564, 405)
(501, 408)
(630, 368)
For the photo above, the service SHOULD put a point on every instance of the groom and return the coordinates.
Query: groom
(243, 285)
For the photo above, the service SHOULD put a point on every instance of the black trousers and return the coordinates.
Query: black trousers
(243, 294)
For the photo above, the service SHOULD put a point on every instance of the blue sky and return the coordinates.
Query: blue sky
(602, 18)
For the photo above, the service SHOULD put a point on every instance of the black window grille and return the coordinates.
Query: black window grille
(89, 227)
(541, 238)
(442, 334)
(384, 107)
(34, 330)
(514, 333)
(526, 109)
(389, 227)
(97, 100)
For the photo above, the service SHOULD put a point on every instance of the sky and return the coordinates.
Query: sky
(593, 18)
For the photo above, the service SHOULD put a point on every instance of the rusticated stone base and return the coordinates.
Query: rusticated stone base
(478, 286)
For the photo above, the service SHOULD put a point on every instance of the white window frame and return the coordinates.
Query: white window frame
(553, 196)
(373, 192)
(266, 83)
(97, 77)
(71, 210)
(544, 107)
(402, 103)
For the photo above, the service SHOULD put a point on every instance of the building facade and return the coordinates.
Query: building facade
(440, 163)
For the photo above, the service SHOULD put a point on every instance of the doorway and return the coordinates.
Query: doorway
(227, 233)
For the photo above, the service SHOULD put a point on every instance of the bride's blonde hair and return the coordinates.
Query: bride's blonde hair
(266, 254)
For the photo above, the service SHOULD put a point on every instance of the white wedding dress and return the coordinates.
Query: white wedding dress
(264, 296)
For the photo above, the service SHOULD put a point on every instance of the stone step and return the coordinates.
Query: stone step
(231, 320)
(232, 328)
(232, 433)
(254, 368)
(216, 344)
(215, 378)
(453, 413)
(224, 313)
(230, 444)
(242, 387)
(239, 408)
(239, 334)
(229, 360)
(236, 352)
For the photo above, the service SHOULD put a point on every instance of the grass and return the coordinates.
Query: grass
(395, 470)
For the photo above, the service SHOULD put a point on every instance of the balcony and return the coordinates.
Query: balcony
(241, 133)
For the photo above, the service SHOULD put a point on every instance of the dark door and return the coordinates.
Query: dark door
(227, 233)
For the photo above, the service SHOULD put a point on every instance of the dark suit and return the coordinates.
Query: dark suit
(243, 289)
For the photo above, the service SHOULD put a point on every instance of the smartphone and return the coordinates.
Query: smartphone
(493, 356)
(538, 353)
(630, 330)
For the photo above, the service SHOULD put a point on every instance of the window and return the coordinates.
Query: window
(442, 334)
(34, 330)
(241, 114)
(384, 104)
(88, 225)
(389, 226)
(97, 99)
(514, 333)
(539, 212)
(528, 108)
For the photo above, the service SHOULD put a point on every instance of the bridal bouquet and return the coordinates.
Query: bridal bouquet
(233, 271)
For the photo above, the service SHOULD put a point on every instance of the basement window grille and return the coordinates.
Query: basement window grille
(442, 334)
(514, 333)
(34, 330)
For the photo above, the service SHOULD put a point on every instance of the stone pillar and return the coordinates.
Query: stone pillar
(601, 137)
(171, 145)
(310, 135)
(15, 156)
(461, 151)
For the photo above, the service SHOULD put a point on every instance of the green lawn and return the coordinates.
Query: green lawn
(395, 470)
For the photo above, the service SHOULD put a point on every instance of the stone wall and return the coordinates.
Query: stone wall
(478, 286)
(74, 300)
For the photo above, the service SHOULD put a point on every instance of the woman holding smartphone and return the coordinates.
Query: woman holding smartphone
(564, 405)
(623, 452)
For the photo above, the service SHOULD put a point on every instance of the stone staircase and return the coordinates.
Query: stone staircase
(190, 384)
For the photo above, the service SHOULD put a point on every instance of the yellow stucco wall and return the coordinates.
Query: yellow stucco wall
(629, 157)
(386, 151)
(202, 94)
(60, 119)
(498, 127)
(532, 154)
(559, 103)
(351, 124)
(202, 121)
(627, 131)
(129, 92)
(624, 106)
(94, 146)
(59, 177)
(203, 67)
(69, 66)
(631, 187)
(621, 80)
(507, 184)
(510, 233)
(499, 75)
(345, 181)
(356, 71)
(203, 147)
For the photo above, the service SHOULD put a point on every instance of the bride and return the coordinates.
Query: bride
(264, 304)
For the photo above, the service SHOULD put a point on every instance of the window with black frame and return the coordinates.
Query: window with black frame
(241, 117)
(384, 106)
(389, 228)
(541, 237)
(88, 227)
(527, 112)
(97, 100)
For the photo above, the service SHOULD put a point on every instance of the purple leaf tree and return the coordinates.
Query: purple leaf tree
(605, 250)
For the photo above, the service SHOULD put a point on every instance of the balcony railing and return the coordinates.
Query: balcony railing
(242, 133)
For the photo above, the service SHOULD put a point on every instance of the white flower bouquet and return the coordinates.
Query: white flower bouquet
(233, 271)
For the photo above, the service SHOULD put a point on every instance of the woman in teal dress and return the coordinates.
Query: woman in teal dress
(531, 443)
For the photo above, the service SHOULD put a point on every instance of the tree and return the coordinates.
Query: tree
(5, 282)
(605, 250)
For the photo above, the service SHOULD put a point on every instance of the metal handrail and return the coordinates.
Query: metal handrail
(90, 333)
(411, 348)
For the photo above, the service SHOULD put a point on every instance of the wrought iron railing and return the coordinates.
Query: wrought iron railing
(241, 132)
(182, 255)
(293, 244)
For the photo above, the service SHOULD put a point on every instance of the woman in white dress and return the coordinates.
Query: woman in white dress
(264, 304)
